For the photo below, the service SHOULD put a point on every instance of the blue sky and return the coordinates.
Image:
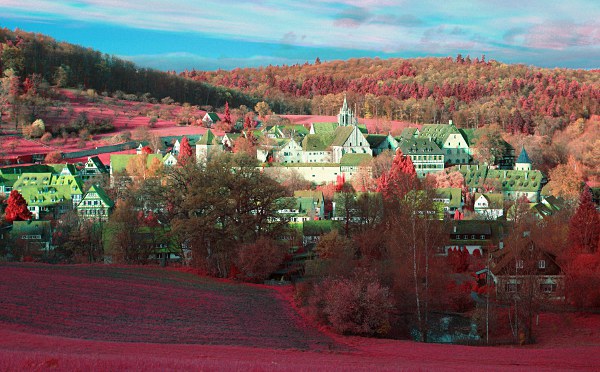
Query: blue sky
(210, 34)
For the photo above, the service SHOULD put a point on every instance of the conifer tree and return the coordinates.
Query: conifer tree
(185, 152)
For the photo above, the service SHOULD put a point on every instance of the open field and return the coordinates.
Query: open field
(115, 318)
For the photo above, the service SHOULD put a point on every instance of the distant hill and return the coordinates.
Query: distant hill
(469, 91)
(69, 65)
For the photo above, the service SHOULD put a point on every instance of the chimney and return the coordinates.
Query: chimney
(450, 122)
(454, 229)
(526, 175)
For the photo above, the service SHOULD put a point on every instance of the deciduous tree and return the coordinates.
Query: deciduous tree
(16, 209)
(584, 227)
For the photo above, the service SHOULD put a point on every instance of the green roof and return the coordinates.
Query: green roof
(408, 133)
(101, 194)
(44, 189)
(419, 146)
(468, 135)
(31, 227)
(352, 160)
(208, 138)
(454, 194)
(324, 127)
(375, 139)
(118, 162)
(319, 227)
(316, 196)
(213, 116)
(438, 132)
(341, 135)
(495, 200)
(317, 142)
(509, 180)
(363, 129)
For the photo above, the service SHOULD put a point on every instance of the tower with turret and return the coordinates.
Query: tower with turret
(346, 116)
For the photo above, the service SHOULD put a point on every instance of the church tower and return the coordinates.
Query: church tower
(346, 116)
(523, 163)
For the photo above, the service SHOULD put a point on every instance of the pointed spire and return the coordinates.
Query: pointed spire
(523, 157)
(345, 105)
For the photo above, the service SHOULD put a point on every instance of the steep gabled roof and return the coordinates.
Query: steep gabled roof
(523, 157)
(375, 139)
(495, 200)
(101, 194)
(98, 163)
(213, 116)
(341, 135)
(454, 194)
(438, 132)
(208, 138)
(409, 132)
(317, 142)
(324, 127)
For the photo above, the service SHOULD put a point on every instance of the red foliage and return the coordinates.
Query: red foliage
(458, 259)
(16, 209)
(459, 296)
(185, 152)
(583, 281)
(227, 116)
(147, 150)
(584, 227)
(400, 179)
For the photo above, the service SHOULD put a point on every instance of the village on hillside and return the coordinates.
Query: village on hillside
(324, 153)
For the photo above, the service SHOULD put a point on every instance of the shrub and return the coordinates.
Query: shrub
(258, 260)
(358, 305)
(53, 157)
(35, 130)
(46, 138)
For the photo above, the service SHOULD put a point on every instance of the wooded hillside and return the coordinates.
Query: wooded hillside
(471, 92)
(69, 65)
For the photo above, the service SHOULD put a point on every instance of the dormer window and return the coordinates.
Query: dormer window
(519, 264)
(541, 264)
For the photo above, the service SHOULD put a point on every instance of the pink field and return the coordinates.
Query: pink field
(118, 318)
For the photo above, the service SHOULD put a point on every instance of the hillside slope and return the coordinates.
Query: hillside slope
(133, 318)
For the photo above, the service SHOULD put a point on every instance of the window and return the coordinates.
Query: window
(473, 237)
(512, 287)
(482, 237)
(547, 287)
(519, 264)
(542, 264)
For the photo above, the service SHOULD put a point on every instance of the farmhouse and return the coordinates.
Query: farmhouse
(528, 269)
(95, 205)
(93, 168)
(210, 119)
(490, 206)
